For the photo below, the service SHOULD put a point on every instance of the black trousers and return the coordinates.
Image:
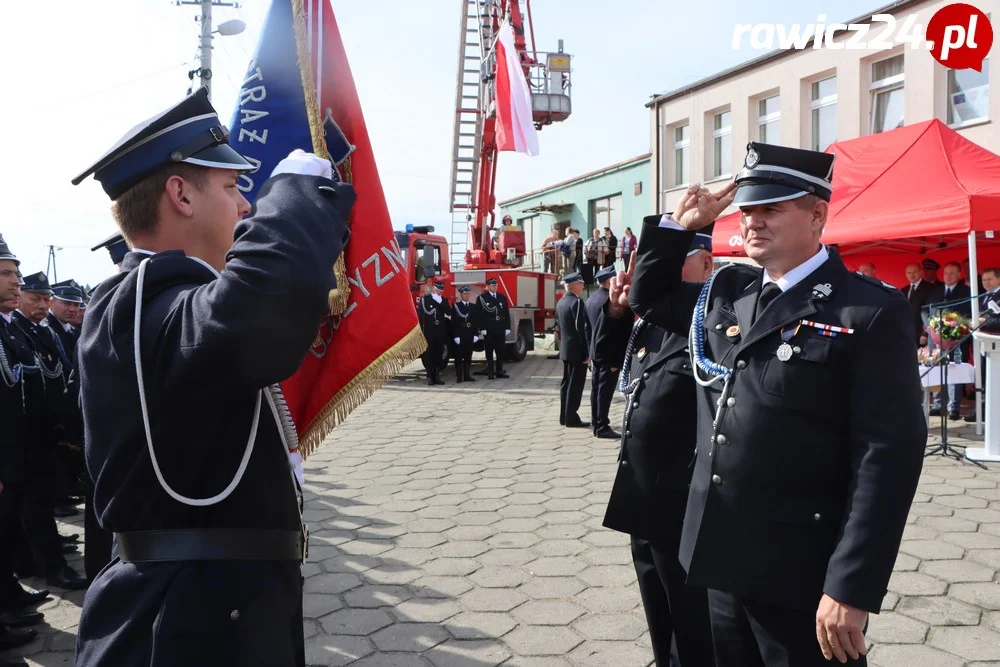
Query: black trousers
(676, 613)
(433, 355)
(10, 528)
(602, 390)
(494, 350)
(463, 358)
(747, 633)
(571, 392)
(40, 546)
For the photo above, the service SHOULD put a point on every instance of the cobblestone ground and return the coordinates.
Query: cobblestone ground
(461, 526)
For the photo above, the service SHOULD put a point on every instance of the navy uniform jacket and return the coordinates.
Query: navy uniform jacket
(68, 338)
(208, 345)
(959, 292)
(658, 433)
(39, 401)
(466, 321)
(435, 318)
(594, 307)
(12, 406)
(574, 331)
(495, 313)
(804, 486)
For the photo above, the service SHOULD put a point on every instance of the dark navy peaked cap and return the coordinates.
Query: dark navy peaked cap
(5, 252)
(68, 290)
(190, 132)
(572, 277)
(779, 173)
(116, 246)
(38, 283)
(607, 273)
(702, 240)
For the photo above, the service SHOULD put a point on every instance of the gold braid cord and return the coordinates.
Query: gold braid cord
(339, 295)
(360, 389)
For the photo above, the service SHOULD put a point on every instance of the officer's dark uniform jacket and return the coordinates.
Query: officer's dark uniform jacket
(495, 313)
(68, 338)
(14, 398)
(465, 322)
(209, 345)
(804, 485)
(55, 368)
(574, 329)
(658, 430)
(594, 307)
(435, 318)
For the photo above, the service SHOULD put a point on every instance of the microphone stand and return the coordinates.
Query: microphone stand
(944, 448)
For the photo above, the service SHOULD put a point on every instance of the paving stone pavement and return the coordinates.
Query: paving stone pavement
(460, 526)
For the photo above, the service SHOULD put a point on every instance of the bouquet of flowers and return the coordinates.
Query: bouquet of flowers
(946, 329)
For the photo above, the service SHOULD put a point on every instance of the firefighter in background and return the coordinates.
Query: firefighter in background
(434, 313)
(465, 324)
(495, 313)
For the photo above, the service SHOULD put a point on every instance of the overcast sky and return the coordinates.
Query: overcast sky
(80, 73)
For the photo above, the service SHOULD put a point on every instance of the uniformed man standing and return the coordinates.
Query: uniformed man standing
(192, 472)
(64, 311)
(465, 327)
(495, 313)
(806, 467)
(116, 247)
(651, 486)
(435, 321)
(604, 369)
(574, 343)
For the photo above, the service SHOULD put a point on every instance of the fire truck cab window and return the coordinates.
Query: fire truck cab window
(428, 261)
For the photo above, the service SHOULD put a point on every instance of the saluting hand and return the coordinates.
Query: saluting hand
(699, 208)
(840, 629)
(620, 286)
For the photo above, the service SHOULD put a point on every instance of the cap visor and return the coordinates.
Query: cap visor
(37, 291)
(753, 194)
(222, 156)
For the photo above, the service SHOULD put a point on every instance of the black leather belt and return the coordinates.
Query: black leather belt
(210, 544)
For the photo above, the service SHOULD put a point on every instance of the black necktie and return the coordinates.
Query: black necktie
(947, 292)
(767, 295)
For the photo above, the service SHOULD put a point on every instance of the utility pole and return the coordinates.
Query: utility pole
(50, 265)
(204, 70)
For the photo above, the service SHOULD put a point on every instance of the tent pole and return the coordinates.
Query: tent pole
(976, 356)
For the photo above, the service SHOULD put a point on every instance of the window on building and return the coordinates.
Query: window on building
(532, 233)
(682, 155)
(606, 212)
(823, 112)
(968, 95)
(722, 144)
(769, 120)
(887, 94)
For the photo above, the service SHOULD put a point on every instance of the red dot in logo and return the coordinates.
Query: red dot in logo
(961, 36)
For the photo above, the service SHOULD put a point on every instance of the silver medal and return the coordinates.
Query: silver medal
(784, 352)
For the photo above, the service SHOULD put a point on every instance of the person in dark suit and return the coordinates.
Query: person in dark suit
(192, 472)
(951, 290)
(494, 314)
(650, 492)
(989, 297)
(604, 369)
(18, 362)
(917, 293)
(465, 326)
(434, 314)
(574, 343)
(795, 543)
(64, 310)
(929, 267)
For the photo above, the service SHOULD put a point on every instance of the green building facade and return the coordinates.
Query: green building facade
(615, 197)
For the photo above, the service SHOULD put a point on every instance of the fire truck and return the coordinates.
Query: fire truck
(479, 249)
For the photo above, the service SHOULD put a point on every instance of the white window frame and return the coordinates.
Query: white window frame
(972, 121)
(682, 145)
(768, 118)
(827, 101)
(887, 85)
(726, 130)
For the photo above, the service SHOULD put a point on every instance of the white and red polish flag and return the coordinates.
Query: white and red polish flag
(515, 127)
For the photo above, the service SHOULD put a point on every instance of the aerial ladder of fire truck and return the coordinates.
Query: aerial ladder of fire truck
(474, 145)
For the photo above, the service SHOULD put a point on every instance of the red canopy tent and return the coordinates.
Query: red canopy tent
(900, 196)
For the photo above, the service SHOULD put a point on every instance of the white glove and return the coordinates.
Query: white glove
(458, 341)
(507, 332)
(306, 164)
(483, 332)
(295, 460)
(475, 339)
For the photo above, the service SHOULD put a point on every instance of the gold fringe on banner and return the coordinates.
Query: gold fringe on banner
(360, 389)
(338, 297)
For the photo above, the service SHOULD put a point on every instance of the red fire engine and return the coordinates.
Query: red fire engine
(479, 249)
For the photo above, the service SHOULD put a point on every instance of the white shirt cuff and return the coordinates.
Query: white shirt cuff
(668, 223)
